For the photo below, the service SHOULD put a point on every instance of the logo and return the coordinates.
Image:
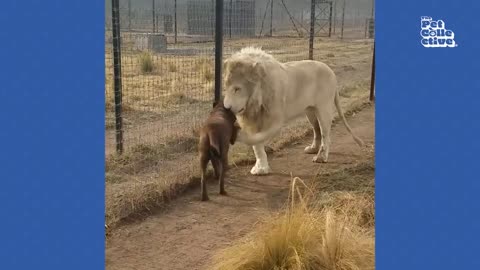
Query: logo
(435, 35)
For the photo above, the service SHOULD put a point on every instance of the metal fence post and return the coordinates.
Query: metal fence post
(366, 27)
(334, 16)
(271, 18)
(373, 8)
(117, 74)
(343, 18)
(372, 83)
(153, 16)
(212, 23)
(218, 48)
(230, 13)
(175, 21)
(330, 21)
(372, 80)
(312, 30)
(129, 15)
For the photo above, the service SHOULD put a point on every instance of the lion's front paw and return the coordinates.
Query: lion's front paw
(260, 170)
(311, 149)
(324, 155)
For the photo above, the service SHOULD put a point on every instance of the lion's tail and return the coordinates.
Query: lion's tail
(344, 120)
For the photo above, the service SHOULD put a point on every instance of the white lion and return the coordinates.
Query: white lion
(266, 94)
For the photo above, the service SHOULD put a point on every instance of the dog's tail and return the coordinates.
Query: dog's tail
(344, 120)
(215, 148)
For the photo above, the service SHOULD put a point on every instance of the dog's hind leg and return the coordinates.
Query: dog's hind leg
(216, 169)
(219, 168)
(225, 158)
(203, 187)
(317, 134)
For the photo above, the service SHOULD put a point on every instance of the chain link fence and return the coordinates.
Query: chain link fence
(167, 55)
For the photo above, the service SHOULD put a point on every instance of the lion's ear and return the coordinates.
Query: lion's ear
(259, 69)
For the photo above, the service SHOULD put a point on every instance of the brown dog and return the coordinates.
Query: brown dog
(216, 135)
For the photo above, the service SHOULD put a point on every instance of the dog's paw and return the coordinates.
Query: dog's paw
(260, 170)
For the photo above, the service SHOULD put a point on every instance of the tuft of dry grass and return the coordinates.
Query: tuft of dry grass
(348, 68)
(178, 99)
(203, 63)
(307, 235)
(353, 89)
(109, 105)
(205, 66)
(172, 67)
(208, 75)
(146, 62)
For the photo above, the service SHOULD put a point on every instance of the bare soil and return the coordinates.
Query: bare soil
(189, 232)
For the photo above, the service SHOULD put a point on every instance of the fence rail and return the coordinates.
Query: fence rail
(162, 58)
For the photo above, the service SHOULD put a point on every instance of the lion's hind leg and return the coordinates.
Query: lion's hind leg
(325, 117)
(317, 134)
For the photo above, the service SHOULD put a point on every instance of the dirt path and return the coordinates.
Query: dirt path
(187, 234)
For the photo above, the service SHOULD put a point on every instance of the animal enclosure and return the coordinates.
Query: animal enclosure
(167, 56)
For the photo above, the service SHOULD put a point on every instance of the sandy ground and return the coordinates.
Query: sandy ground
(189, 232)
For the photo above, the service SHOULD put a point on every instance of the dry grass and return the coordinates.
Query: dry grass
(350, 90)
(205, 67)
(172, 67)
(146, 62)
(147, 177)
(109, 105)
(144, 196)
(144, 157)
(333, 233)
(208, 75)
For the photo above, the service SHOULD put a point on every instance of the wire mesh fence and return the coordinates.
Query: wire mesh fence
(167, 55)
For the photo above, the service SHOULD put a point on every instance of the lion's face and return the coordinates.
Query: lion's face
(241, 81)
(237, 94)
